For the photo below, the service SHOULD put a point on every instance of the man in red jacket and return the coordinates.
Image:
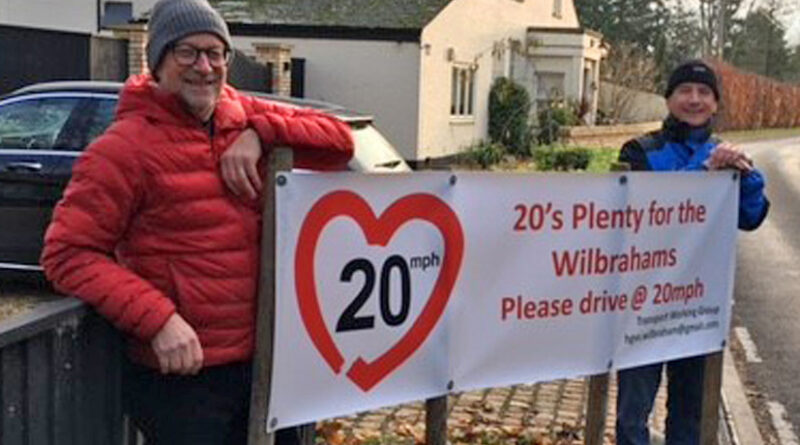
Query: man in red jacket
(159, 227)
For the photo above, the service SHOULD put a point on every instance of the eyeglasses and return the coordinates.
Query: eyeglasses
(187, 55)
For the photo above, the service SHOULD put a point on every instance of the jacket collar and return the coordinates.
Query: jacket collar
(142, 97)
(680, 131)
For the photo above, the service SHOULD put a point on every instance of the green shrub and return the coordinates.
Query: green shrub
(603, 159)
(544, 157)
(573, 159)
(561, 158)
(484, 154)
(509, 109)
(551, 118)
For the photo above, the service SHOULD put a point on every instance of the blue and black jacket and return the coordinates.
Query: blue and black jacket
(677, 146)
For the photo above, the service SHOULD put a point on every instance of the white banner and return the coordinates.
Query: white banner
(394, 288)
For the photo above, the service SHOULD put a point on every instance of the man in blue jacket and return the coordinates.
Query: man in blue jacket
(684, 143)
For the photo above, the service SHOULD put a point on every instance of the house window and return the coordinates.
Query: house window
(549, 87)
(557, 8)
(117, 13)
(462, 89)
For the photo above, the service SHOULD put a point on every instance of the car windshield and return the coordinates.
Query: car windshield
(34, 123)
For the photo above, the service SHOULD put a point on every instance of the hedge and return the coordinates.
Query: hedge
(751, 102)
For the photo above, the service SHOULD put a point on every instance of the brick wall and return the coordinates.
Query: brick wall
(137, 43)
(280, 56)
(606, 135)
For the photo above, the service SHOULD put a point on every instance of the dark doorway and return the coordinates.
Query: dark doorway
(298, 77)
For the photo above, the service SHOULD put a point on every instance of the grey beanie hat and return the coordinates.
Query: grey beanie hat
(172, 20)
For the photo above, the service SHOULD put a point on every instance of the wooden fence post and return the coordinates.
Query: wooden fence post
(596, 409)
(436, 407)
(597, 405)
(280, 159)
(307, 433)
(712, 386)
(436, 421)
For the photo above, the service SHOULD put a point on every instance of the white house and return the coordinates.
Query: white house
(61, 15)
(424, 68)
(81, 16)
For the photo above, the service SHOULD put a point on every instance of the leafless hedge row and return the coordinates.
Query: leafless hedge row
(751, 101)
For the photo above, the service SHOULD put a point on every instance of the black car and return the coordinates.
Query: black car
(45, 127)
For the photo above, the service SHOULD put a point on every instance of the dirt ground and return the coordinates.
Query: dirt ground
(18, 296)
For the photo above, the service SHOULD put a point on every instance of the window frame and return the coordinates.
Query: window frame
(462, 91)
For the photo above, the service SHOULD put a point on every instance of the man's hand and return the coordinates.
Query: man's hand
(177, 347)
(239, 165)
(727, 155)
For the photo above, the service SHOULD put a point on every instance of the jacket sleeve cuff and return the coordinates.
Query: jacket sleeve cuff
(154, 321)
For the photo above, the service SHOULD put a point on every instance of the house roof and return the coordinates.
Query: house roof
(390, 14)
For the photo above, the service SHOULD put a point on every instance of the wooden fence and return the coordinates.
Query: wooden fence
(436, 409)
(61, 373)
(61, 370)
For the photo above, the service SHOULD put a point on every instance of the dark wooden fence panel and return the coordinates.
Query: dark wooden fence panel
(60, 381)
(13, 405)
(248, 74)
(34, 55)
(109, 59)
(40, 389)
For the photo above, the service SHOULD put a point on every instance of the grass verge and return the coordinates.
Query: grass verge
(760, 135)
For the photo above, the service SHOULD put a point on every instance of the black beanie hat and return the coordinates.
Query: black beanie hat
(693, 71)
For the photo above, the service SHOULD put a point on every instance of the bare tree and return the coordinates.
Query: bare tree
(716, 18)
(630, 70)
(720, 21)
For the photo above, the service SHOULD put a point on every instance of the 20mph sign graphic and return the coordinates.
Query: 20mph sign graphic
(378, 231)
(393, 288)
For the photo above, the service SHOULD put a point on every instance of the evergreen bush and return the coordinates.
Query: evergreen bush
(509, 110)
(485, 154)
(551, 117)
(559, 158)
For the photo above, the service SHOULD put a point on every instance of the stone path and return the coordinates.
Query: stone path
(551, 413)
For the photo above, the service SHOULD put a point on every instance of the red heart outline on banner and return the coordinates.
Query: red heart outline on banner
(377, 231)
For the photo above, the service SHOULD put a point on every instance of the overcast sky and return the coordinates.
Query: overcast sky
(794, 27)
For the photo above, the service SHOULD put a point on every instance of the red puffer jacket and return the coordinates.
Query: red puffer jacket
(147, 227)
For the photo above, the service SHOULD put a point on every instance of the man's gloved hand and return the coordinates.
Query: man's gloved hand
(177, 347)
(239, 165)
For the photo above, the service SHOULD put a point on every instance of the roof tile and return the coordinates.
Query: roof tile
(410, 14)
